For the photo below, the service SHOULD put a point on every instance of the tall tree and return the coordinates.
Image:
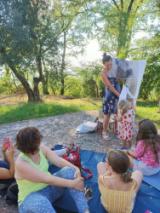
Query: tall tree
(65, 12)
(20, 46)
(114, 22)
(29, 33)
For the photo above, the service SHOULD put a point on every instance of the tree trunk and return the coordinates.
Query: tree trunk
(33, 96)
(41, 75)
(158, 104)
(45, 80)
(126, 23)
(45, 88)
(36, 89)
(124, 37)
(97, 90)
(63, 64)
(62, 86)
(53, 90)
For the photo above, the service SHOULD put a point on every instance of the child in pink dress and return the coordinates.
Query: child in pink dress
(147, 150)
(125, 122)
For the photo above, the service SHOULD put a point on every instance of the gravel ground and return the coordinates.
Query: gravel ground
(59, 130)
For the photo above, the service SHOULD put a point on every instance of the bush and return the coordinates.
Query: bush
(7, 86)
(73, 87)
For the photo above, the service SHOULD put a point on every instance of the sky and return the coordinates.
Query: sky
(92, 53)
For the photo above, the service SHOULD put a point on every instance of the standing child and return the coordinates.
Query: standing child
(147, 151)
(125, 120)
(117, 185)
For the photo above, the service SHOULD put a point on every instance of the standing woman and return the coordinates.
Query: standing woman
(112, 92)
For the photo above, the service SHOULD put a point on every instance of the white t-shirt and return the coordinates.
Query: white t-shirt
(124, 93)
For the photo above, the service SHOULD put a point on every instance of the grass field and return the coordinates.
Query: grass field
(50, 107)
(14, 109)
(148, 110)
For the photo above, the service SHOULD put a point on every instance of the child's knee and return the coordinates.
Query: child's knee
(100, 165)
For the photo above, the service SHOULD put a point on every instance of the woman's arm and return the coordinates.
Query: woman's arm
(9, 157)
(6, 174)
(108, 84)
(139, 149)
(119, 116)
(131, 154)
(27, 172)
(56, 160)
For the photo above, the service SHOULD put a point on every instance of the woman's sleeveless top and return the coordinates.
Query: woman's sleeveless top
(25, 186)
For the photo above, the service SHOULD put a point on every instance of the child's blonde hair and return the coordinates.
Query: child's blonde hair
(124, 106)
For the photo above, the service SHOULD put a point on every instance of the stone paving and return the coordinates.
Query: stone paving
(59, 130)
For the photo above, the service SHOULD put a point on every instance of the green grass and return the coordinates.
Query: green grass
(12, 113)
(19, 112)
(148, 110)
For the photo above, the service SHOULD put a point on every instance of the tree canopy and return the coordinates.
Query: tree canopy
(37, 38)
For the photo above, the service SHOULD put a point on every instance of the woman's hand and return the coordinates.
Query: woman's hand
(78, 184)
(9, 154)
(108, 84)
(9, 157)
(118, 94)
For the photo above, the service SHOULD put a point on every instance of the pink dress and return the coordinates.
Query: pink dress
(146, 155)
(126, 125)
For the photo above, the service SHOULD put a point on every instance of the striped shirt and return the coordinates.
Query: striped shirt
(116, 201)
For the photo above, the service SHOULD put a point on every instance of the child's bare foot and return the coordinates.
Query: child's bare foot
(105, 136)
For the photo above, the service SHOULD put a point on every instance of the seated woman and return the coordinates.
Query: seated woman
(118, 187)
(38, 189)
(147, 151)
(7, 166)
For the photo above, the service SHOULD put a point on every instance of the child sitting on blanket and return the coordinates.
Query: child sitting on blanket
(125, 122)
(147, 150)
(117, 185)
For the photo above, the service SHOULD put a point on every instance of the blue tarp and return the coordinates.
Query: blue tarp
(154, 181)
(148, 197)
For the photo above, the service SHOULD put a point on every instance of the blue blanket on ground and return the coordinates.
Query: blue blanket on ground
(148, 197)
(154, 181)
